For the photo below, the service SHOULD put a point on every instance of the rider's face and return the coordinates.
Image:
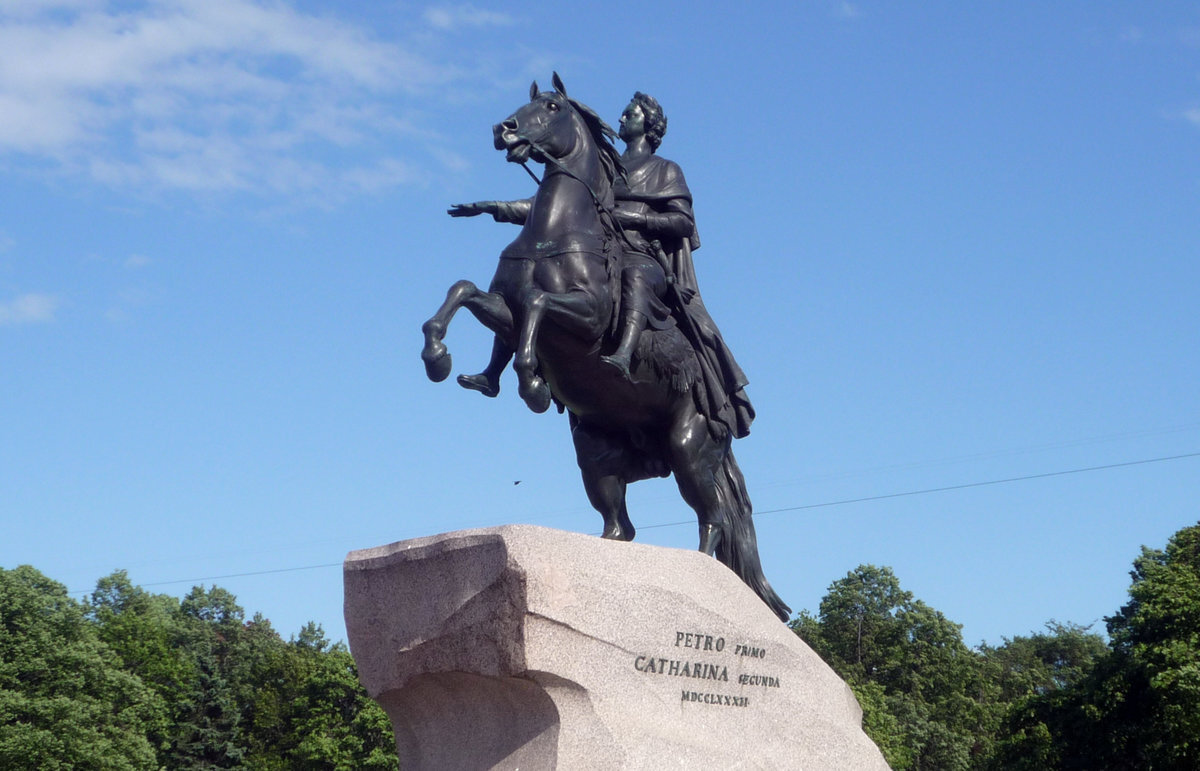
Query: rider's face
(633, 122)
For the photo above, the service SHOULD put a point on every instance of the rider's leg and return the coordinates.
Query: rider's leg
(633, 322)
(640, 285)
(488, 381)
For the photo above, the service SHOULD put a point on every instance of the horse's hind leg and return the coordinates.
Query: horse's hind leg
(711, 482)
(488, 307)
(605, 486)
(696, 459)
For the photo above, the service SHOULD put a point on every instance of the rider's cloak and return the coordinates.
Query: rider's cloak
(656, 187)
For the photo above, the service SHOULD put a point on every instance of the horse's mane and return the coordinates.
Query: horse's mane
(603, 134)
(610, 162)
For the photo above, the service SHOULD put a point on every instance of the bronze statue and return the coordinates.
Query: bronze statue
(664, 398)
(654, 208)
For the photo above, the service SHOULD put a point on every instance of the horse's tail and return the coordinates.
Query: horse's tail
(738, 548)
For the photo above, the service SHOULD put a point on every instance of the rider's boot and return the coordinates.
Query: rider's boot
(488, 381)
(621, 358)
(483, 383)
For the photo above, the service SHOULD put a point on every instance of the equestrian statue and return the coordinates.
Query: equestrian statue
(596, 304)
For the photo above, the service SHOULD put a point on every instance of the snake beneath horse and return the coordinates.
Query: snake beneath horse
(553, 301)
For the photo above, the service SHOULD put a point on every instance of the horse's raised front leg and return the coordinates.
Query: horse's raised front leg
(530, 385)
(575, 308)
(488, 307)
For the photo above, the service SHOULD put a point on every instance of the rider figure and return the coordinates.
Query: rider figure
(654, 208)
(654, 203)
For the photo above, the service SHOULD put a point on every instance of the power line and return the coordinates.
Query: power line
(242, 575)
(228, 575)
(948, 488)
(1084, 441)
(786, 509)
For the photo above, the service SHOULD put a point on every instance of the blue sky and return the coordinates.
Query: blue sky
(949, 243)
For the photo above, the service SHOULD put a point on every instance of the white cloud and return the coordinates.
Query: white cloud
(136, 261)
(127, 302)
(448, 18)
(847, 10)
(1193, 115)
(203, 95)
(379, 176)
(30, 308)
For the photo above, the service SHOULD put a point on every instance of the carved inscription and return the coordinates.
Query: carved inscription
(701, 642)
(716, 698)
(681, 668)
(710, 663)
(746, 650)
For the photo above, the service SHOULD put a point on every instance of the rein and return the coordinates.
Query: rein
(606, 215)
(529, 171)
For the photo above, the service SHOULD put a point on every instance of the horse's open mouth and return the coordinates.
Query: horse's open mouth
(518, 151)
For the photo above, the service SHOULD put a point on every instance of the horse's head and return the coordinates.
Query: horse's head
(548, 124)
(552, 124)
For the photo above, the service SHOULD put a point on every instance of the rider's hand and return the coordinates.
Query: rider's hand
(629, 219)
(473, 209)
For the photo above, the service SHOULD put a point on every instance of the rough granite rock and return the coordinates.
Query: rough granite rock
(526, 647)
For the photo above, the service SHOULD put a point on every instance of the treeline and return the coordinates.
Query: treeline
(127, 679)
(1066, 698)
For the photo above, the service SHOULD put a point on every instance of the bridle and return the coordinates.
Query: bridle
(611, 224)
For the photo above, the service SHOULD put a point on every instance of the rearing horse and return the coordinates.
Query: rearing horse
(552, 300)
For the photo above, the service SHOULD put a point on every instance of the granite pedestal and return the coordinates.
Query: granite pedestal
(530, 648)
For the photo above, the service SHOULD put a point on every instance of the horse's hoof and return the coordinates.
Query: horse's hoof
(480, 383)
(537, 395)
(437, 362)
(617, 533)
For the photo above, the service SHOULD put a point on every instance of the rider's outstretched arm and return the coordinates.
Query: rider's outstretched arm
(502, 211)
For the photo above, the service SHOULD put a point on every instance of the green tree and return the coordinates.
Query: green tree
(1029, 676)
(263, 703)
(65, 700)
(340, 726)
(208, 717)
(146, 631)
(1156, 642)
(1044, 662)
(918, 683)
(131, 679)
(1139, 705)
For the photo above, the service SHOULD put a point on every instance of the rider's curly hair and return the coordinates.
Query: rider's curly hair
(656, 120)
